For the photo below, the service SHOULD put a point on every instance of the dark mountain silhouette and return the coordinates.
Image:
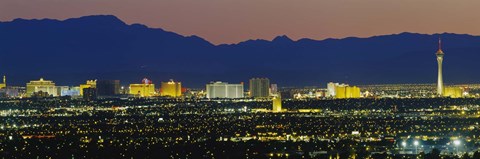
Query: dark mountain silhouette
(103, 47)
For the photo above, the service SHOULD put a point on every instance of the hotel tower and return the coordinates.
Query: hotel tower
(439, 61)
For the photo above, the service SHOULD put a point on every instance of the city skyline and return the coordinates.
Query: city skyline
(259, 81)
(257, 84)
(350, 60)
(246, 79)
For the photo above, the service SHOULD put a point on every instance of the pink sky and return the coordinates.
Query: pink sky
(232, 21)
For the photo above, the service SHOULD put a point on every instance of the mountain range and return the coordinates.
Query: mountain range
(104, 47)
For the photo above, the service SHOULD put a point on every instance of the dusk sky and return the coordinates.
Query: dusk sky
(232, 21)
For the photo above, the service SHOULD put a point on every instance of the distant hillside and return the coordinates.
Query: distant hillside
(103, 46)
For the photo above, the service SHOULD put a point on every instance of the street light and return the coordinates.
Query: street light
(456, 143)
(416, 146)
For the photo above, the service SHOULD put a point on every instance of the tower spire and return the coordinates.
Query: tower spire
(439, 43)
(439, 46)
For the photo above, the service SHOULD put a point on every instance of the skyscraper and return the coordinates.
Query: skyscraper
(439, 61)
(347, 92)
(171, 88)
(224, 90)
(259, 87)
(108, 88)
(332, 88)
(145, 89)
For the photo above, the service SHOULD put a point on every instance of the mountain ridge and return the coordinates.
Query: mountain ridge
(104, 47)
(114, 18)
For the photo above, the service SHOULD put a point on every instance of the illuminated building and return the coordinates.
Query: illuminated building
(453, 92)
(4, 84)
(340, 92)
(108, 88)
(40, 94)
(89, 84)
(171, 89)
(69, 91)
(347, 92)
(60, 89)
(43, 86)
(145, 89)
(124, 90)
(277, 103)
(332, 89)
(10, 92)
(259, 87)
(353, 92)
(439, 55)
(224, 90)
(319, 94)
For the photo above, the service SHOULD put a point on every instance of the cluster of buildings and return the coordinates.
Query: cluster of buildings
(452, 92)
(341, 91)
(93, 89)
(258, 88)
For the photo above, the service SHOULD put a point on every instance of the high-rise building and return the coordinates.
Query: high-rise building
(44, 86)
(88, 84)
(224, 90)
(332, 88)
(439, 55)
(171, 89)
(4, 84)
(108, 88)
(90, 94)
(259, 87)
(277, 103)
(347, 92)
(145, 89)
(341, 92)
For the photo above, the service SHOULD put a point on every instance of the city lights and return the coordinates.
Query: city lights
(457, 142)
(332, 114)
(416, 143)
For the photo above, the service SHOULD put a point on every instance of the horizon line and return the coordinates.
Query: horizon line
(235, 43)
